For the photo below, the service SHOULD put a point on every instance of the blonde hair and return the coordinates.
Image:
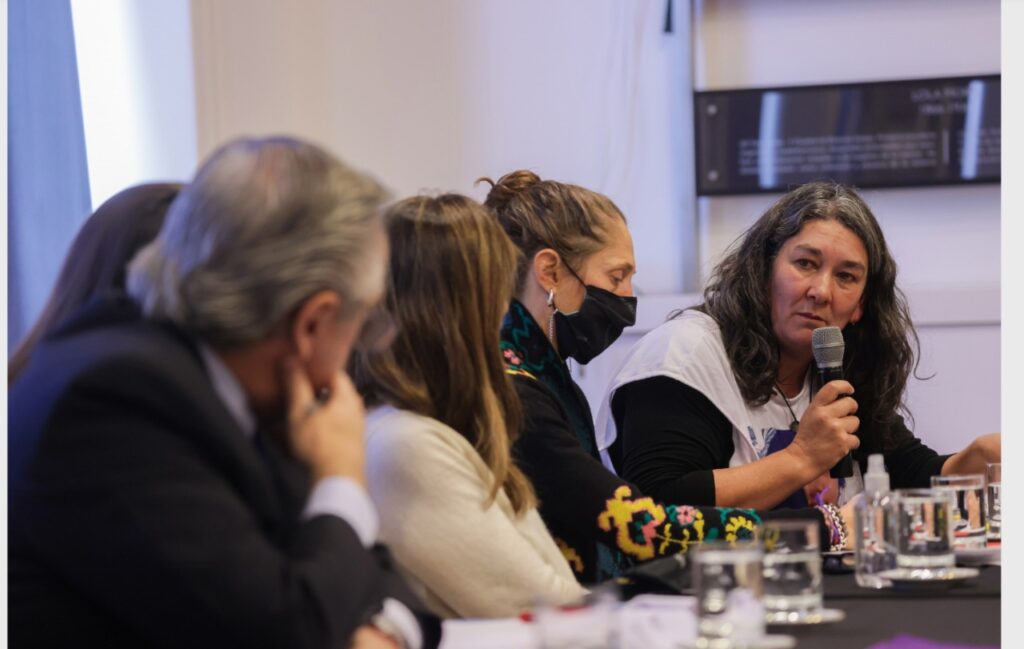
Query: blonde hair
(450, 283)
(538, 214)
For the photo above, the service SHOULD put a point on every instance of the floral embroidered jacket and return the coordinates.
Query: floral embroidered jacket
(602, 523)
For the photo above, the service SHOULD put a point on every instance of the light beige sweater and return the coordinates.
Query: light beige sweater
(461, 558)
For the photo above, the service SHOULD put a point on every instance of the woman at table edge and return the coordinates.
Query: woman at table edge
(704, 404)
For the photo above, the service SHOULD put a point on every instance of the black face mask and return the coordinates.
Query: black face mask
(595, 326)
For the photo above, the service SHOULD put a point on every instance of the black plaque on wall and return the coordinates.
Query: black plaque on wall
(883, 134)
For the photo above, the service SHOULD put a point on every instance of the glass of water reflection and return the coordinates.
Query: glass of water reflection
(969, 530)
(923, 523)
(994, 508)
(727, 580)
(792, 570)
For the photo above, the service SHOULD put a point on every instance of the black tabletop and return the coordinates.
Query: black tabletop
(967, 614)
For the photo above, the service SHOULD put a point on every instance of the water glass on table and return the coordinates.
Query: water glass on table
(969, 529)
(923, 525)
(792, 571)
(994, 506)
(729, 588)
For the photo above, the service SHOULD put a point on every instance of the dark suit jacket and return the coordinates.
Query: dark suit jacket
(141, 515)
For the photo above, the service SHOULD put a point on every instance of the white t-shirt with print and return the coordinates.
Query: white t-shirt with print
(689, 349)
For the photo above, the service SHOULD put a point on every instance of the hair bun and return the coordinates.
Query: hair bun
(508, 186)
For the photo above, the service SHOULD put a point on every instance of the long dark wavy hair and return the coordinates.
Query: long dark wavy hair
(881, 349)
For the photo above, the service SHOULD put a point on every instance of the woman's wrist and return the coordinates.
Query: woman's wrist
(803, 464)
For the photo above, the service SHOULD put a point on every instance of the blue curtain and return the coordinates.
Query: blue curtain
(47, 174)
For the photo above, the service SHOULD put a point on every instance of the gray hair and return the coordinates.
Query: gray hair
(265, 224)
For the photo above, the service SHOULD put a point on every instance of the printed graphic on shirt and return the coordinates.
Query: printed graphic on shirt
(770, 440)
(773, 440)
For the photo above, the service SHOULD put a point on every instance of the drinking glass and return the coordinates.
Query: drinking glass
(729, 587)
(792, 570)
(994, 508)
(969, 531)
(923, 529)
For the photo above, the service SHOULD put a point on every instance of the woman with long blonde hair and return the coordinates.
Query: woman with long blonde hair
(458, 514)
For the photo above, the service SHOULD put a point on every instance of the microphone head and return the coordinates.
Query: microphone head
(828, 345)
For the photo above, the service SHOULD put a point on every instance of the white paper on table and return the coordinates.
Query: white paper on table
(657, 622)
(644, 622)
(503, 633)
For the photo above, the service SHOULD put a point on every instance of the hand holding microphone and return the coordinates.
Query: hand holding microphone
(828, 347)
(824, 436)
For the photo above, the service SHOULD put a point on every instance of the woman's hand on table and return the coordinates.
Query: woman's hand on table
(986, 449)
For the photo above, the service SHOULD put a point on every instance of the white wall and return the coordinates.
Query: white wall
(138, 98)
(740, 43)
(430, 96)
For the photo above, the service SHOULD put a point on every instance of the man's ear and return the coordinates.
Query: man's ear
(545, 268)
(313, 320)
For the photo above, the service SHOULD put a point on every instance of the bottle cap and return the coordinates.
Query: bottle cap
(876, 480)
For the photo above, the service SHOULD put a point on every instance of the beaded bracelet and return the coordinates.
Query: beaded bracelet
(836, 524)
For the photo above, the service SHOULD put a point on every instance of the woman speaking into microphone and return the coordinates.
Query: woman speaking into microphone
(573, 298)
(720, 405)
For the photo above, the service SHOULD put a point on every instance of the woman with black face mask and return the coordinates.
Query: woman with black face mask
(574, 296)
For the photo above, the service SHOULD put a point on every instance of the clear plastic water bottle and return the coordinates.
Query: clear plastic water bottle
(873, 540)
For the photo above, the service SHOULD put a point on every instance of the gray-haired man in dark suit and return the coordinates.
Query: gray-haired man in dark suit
(186, 465)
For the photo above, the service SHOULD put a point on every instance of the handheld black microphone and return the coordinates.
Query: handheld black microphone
(828, 346)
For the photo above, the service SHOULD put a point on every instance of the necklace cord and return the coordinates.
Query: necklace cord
(795, 422)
